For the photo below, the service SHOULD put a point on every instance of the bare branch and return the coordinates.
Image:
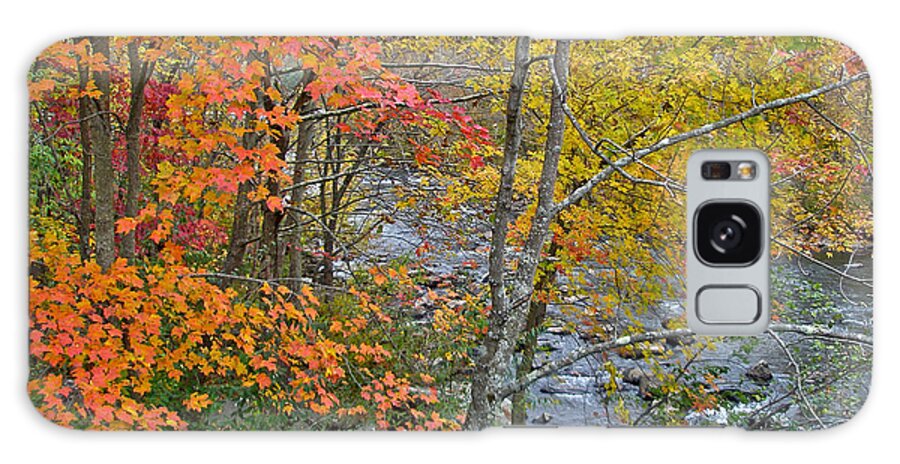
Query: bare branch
(853, 137)
(44, 139)
(577, 354)
(866, 282)
(819, 211)
(322, 180)
(824, 332)
(272, 282)
(470, 67)
(595, 146)
(322, 113)
(798, 379)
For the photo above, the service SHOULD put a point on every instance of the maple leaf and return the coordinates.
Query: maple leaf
(435, 422)
(273, 93)
(307, 291)
(126, 225)
(274, 204)
(103, 413)
(197, 402)
(158, 235)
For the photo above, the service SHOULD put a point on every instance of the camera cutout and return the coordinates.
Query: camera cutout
(727, 242)
(728, 233)
(716, 170)
(728, 170)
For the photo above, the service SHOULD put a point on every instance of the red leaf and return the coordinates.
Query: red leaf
(274, 204)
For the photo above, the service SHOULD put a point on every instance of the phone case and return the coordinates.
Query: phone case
(435, 233)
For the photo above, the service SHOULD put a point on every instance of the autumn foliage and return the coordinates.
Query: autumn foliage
(298, 230)
(152, 343)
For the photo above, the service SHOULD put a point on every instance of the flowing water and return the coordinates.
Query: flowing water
(803, 292)
(807, 293)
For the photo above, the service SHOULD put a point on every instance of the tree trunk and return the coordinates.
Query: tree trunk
(537, 312)
(140, 74)
(240, 225)
(240, 228)
(271, 268)
(508, 321)
(86, 213)
(480, 410)
(305, 133)
(101, 146)
(326, 206)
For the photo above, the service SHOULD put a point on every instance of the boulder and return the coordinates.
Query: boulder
(760, 372)
(644, 381)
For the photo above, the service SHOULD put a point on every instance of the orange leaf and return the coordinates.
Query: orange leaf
(126, 225)
(263, 380)
(197, 402)
(35, 89)
(274, 204)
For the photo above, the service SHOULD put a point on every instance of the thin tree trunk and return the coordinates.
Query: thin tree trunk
(240, 225)
(537, 312)
(101, 145)
(272, 219)
(271, 267)
(507, 325)
(269, 238)
(326, 277)
(86, 213)
(305, 133)
(480, 409)
(140, 74)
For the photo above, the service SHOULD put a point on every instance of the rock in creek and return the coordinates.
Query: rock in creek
(644, 381)
(760, 372)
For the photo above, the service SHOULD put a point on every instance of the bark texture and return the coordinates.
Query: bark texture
(101, 148)
(305, 137)
(510, 306)
(140, 72)
(85, 210)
